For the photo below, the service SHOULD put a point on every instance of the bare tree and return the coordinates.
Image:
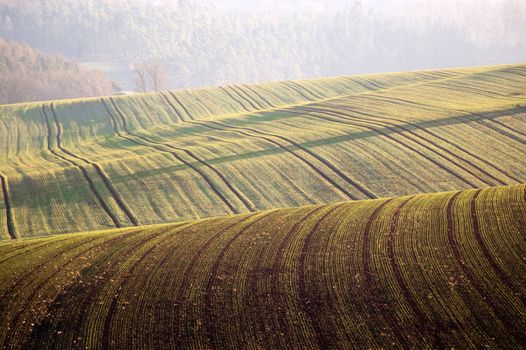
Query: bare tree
(141, 75)
(157, 75)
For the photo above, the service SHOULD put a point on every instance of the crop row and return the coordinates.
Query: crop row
(175, 156)
(421, 271)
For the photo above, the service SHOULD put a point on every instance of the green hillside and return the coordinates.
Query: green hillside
(426, 271)
(91, 164)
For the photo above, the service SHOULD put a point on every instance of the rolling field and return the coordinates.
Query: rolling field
(112, 162)
(432, 270)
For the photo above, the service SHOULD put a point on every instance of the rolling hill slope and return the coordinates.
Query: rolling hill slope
(70, 166)
(426, 270)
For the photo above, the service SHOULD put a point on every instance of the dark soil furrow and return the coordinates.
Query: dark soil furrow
(8, 209)
(327, 163)
(344, 121)
(179, 116)
(174, 96)
(234, 99)
(209, 324)
(302, 159)
(501, 274)
(107, 183)
(82, 169)
(312, 305)
(376, 300)
(148, 143)
(506, 319)
(261, 97)
(244, 97)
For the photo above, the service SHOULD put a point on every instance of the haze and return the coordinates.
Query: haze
(196, 43)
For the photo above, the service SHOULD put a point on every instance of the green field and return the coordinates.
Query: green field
(377, 211)
(70, 166)
(432, 270)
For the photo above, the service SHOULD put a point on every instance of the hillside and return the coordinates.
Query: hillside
(89, 164)
(422, 271)
(27, 74)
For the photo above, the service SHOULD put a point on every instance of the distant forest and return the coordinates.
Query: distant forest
(202, 45)
(29, 75)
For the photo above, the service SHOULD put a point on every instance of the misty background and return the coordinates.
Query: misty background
(198, 43)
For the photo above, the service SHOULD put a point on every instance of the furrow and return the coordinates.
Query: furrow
(276, 265)
(209, 324)
(245, 97)
(58, 270)
(28, 249)
(24, 278)
(302, 159)
(324, 161)
(187, 274)
(83, 170)
(487, 123)
(178, 101)
(298, 91)
(501, 274)
(384, 121)
(8, 209)
(483, 117)
(179, 116)
(85, 295)
(234, 99)
(206, 178)
(316, 95)
(363, 83)
(109, 186)
(345, 121)
(106, 336)
(254, 91)
(375, 299)
(505, 318)
(429, 132)
(470, 89)
(508, 127)
(433, 329)
(310, 303)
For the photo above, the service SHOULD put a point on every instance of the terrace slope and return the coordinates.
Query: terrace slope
(421, 271)
(70, 166)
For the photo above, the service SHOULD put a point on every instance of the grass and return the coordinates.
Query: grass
(91, 164)
(278, 215)
(417, 271)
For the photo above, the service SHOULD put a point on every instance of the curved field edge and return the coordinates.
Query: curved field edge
(434, 270)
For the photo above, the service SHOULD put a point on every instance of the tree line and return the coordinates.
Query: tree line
(27, 74)
(202, 45)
